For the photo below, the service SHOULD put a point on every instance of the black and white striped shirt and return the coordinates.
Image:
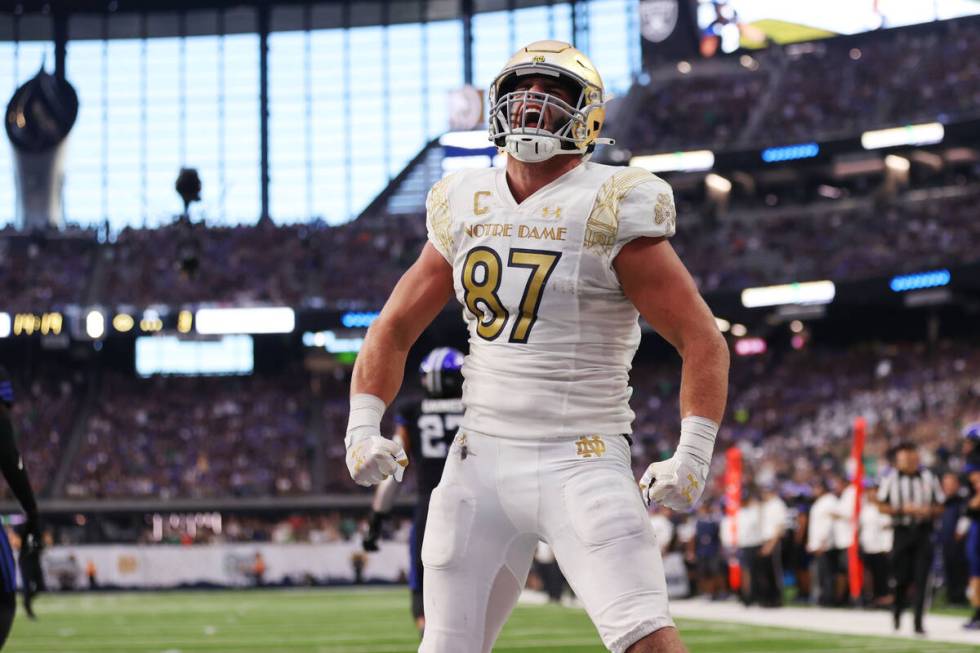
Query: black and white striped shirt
(900, 490)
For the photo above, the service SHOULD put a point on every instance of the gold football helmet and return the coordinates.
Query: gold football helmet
(532, 125)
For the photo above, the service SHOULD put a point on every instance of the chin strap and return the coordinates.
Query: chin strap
(537, 148)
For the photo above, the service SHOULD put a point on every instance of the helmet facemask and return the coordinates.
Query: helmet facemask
(534, 126)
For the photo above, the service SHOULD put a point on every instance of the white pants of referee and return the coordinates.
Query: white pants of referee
(497, 498)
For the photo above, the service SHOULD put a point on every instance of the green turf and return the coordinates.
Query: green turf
(371, 621)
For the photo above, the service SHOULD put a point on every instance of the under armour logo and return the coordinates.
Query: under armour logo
(551, 213)
(587, 447)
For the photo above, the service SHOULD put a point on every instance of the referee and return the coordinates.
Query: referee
(913, 498)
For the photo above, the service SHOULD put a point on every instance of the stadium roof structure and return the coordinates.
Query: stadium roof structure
(238, 15)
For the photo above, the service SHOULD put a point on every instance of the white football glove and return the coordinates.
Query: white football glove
(678, 482)
(372, 459)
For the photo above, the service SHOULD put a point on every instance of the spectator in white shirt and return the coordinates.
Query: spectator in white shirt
(821, 542)
(875, 538)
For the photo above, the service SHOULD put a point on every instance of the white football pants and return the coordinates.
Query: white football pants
(497, 498)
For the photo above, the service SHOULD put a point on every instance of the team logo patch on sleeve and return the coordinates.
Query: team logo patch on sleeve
(664, 211)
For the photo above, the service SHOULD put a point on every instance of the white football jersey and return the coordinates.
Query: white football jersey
(552, 335)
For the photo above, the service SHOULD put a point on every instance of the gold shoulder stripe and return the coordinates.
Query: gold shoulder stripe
(440, 218)
(603, 223)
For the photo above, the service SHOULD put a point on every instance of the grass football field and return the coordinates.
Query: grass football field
(370, 621)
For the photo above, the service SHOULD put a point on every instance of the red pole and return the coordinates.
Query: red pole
(856, 575)
(733, 501)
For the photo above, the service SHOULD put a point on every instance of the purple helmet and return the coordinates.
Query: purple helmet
(442, 374)
(972, 431)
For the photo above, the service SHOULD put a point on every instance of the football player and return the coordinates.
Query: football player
(553, 259)
(13, 470)
(425, 431)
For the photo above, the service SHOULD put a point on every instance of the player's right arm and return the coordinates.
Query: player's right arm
(416, 300)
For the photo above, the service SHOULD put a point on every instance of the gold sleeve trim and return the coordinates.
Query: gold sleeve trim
(602, 226)
(440, 218)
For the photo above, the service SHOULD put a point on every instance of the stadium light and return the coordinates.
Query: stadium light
(692, 161)
(123, 322)
(739, 330)
(790, 152)
(151, 322)
(329, 341)
(718, 183)
(925, 134)
(477, 139)
(723, 324)
(920, 280)
(807, 292)
(796, 326)
(358, 320)
(897, 163)
(225, 321)
(95, 324)
(750, 346)
(4, 325)
(185, 321)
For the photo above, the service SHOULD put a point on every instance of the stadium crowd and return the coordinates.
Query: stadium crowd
(830, 243)
(316, 265)
(46, 270)
(813, 91)
(296, 265)
(195, 438)
(43, 413)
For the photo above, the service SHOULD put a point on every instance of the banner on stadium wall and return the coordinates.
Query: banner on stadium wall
(668, 31)
(225, 565)
(161, 566)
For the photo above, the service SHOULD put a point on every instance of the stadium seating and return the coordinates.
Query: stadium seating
(45, 271)
(195, 438)
(816, 91)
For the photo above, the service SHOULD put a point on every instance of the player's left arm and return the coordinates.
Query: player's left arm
(655, 280)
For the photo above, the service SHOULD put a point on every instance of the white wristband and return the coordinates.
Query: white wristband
(365, 418)
(698, 438)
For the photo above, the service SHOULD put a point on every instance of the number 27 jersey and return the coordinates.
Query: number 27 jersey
(551, 333)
